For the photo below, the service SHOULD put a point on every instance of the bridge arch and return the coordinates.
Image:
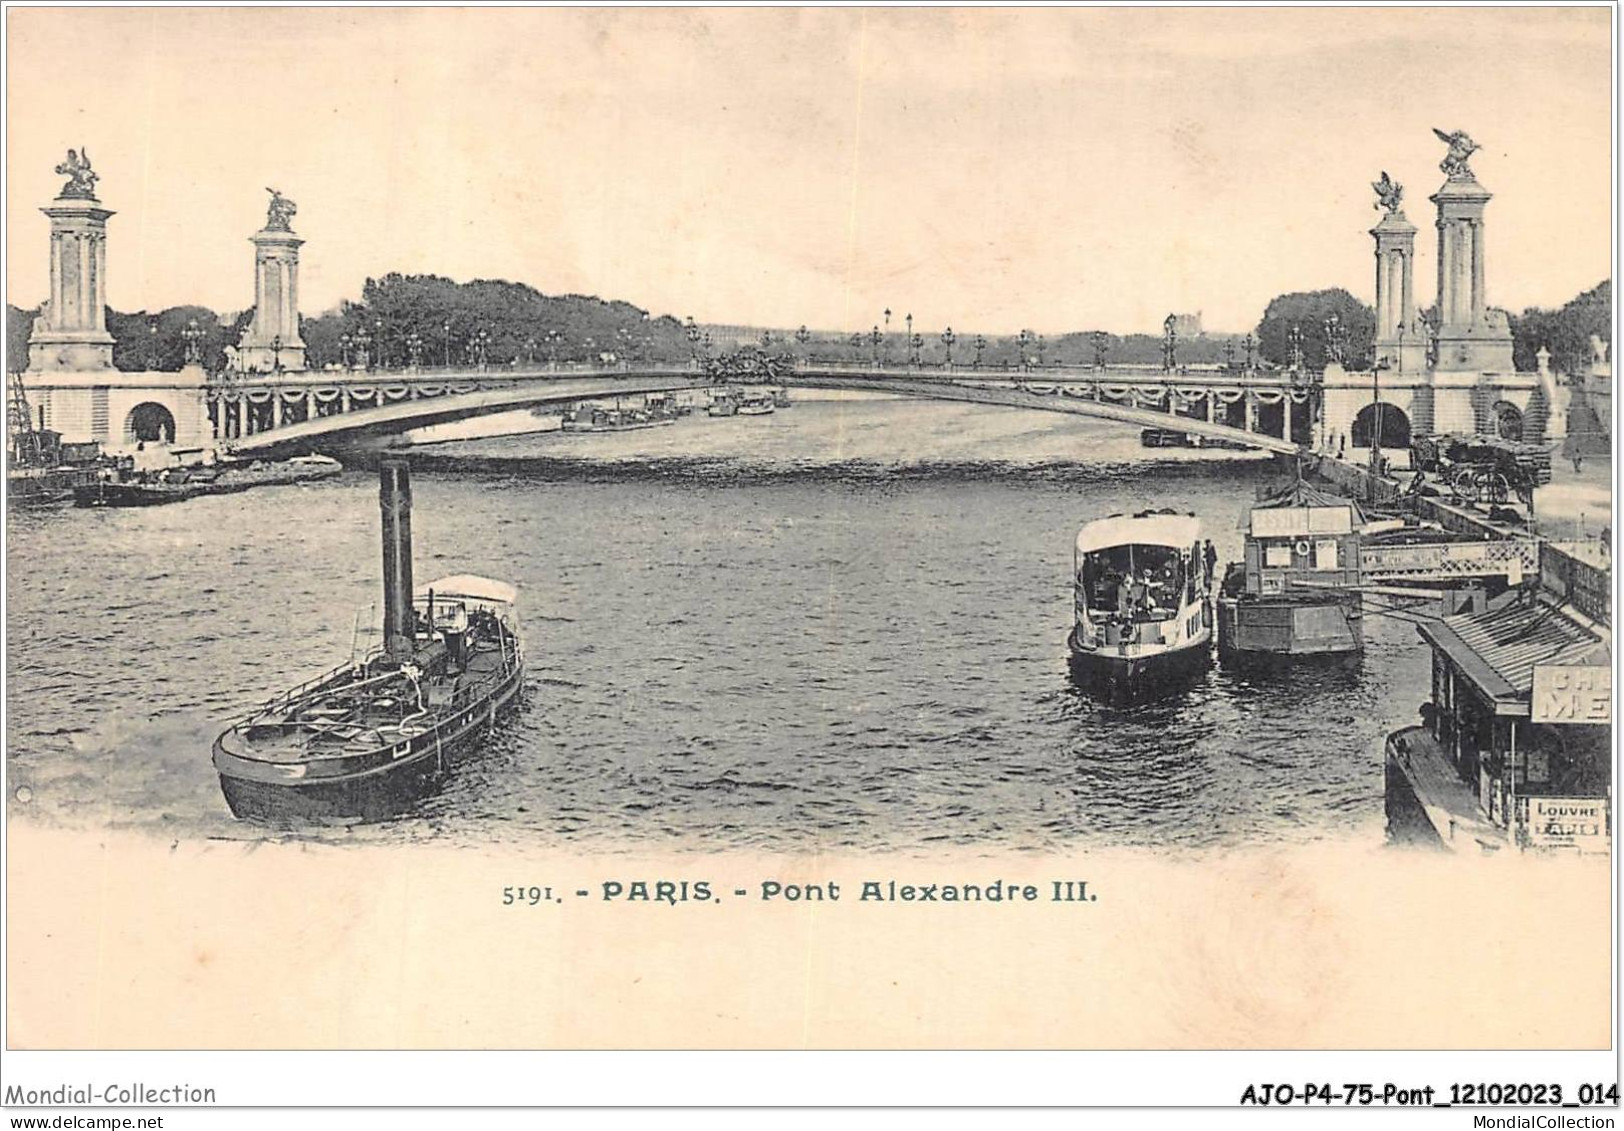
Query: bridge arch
(1395, 426)
(1140, 399)
(148, 423)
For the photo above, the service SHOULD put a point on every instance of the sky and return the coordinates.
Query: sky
(989, 169)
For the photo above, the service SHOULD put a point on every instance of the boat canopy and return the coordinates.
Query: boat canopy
(467, 587)
(1175, 530)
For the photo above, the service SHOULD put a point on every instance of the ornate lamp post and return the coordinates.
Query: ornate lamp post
(377, 341)
(1249, 344)
(803, 336)
(876, 338)
(1229, 355)
(363, 359)
(448, 344)
(912, 359)
(1101, 346)
(980, 344)
(1376, 420)
(693, 338)
(916, 342)
(947, 340)
(1294, 341)
(276, 354)
(706, 340)
(344, 342)
(414, 347)
(766, 339)
(1041, 348)
(1170, 344)
(1333, 340)
(482, 341)
(1025, 339)
(194, 342)
(552, 338)
(530, 350)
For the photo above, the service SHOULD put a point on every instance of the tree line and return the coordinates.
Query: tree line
(434, 321)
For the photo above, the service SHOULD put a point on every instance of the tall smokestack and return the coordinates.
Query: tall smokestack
(395, 501)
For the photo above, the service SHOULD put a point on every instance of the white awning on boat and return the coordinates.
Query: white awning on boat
(469, 587)
(1180, 530)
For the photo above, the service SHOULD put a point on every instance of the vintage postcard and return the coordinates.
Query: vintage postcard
(809, 529)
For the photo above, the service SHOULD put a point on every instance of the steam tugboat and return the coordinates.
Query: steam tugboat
(1143, 602)
(369, 739)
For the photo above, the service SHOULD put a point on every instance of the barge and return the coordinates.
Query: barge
(367, 740)
(1296, 595)
(174, 485)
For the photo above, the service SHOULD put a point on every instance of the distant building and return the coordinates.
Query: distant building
(1187, 325)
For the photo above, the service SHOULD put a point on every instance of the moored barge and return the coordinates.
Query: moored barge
(1296, 595)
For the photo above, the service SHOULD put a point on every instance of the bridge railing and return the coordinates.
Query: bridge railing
(1443, 560)
(531, 371)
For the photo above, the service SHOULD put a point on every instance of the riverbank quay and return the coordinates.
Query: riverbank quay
(1514, 745)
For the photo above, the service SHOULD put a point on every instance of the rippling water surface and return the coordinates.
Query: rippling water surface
(840, 626)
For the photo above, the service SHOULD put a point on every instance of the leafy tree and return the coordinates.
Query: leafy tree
(18, 324)
(1310, 310)
(1565, 332)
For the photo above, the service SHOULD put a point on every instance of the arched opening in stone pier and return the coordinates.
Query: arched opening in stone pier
(1508, 421)
(149, 423)
(1395, 427)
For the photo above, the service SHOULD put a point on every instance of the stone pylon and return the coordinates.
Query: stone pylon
(1471, 336)
(1401, 336)
(70, 335)
(272, 339)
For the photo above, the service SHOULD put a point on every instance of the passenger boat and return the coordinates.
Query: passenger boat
(723, 402)
(1296, 595)
(1143, 602)
(367, 740)
(756, 404)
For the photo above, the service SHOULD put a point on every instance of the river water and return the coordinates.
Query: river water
(841, 626)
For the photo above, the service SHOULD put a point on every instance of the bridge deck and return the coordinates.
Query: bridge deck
(433, 398)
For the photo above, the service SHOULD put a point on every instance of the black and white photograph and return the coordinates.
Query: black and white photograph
(809, 528)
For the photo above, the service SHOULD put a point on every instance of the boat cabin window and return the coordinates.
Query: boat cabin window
(449, 616)
(1138, 581)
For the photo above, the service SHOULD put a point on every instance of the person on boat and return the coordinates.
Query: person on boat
(1125, 597)
(1141, 593)
(1210, 556)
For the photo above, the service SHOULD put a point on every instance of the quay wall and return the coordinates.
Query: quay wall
(1356, 481)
